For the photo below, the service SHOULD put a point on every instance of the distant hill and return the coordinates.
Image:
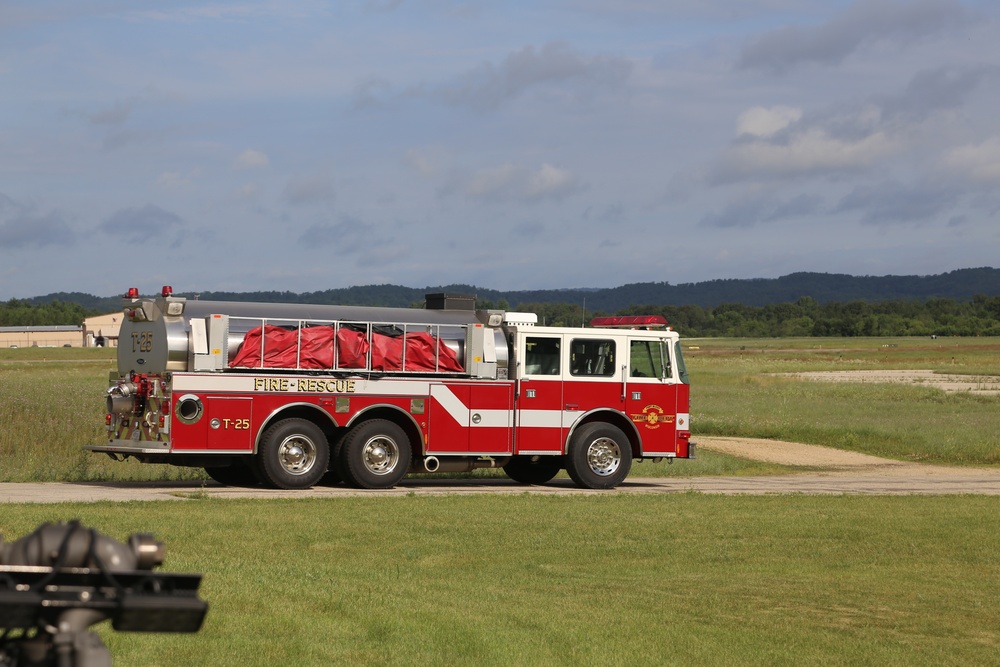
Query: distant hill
(960, 285)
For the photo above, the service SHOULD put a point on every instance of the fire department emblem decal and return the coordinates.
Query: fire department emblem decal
(652, 416)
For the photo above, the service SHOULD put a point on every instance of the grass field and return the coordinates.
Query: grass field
(735, 392)
(608, 580)
(613, 579)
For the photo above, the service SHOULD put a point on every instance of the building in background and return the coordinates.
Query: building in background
(48, 336)
(98, 331)
(102, 330)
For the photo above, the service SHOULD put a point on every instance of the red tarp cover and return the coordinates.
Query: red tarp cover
(280, 350)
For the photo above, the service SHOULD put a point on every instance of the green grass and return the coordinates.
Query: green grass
(583, 580)
(734, 392)
(531, 580)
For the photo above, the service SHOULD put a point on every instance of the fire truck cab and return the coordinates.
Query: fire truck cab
(292, 395)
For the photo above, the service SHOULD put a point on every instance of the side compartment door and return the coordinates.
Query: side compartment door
(470, 418)
(651, 395)
(491, 416)
(225, 426)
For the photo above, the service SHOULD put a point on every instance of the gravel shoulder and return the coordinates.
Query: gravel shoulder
(977, 384)
(811, 456)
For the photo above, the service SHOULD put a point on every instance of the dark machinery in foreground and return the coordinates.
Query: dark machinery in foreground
(63, 578)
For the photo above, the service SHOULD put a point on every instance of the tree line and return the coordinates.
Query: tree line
(22, 313)
(979, 316)
(806, 317)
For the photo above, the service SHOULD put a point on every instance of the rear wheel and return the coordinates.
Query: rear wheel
(375, 455)
(599, 457)
(525, 470)
(293, 454)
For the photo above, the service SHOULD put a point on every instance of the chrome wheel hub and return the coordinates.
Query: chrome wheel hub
(297, 454)
(380, 455)
(604, 456)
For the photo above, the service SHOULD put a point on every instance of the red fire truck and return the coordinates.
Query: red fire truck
(292, 395)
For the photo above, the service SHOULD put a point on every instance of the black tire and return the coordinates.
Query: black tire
(332, 477)
(237, 474)
(375, 455)
(533, 470)
(335, 474)
(599, 456)
(293, 454)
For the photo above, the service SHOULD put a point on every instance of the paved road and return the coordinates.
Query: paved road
(985, 483)
(839, 472)
(842, 473)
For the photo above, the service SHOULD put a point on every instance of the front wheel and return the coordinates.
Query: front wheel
(527, 471)
(599, 457)
(293, 454)
(375, 455)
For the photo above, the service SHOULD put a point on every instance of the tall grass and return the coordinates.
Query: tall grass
(50, 408)
(736, 393)
(531, 580)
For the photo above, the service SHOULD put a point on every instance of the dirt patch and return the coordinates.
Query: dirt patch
(834, 471)
(797, 454)
(978, 384)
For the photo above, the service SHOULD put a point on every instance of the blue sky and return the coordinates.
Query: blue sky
(304, 146)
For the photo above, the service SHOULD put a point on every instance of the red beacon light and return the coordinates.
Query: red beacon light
(132, 293)
(167, 290)
(630, 322)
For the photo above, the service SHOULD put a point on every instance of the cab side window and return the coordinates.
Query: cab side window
(592, 357)
(647, 359)
(541, 356)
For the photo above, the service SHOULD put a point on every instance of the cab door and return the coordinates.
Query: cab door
(594, 377)
(539, 397)
(651, 395)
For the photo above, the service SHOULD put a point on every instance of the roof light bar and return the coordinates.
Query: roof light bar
(630, 322)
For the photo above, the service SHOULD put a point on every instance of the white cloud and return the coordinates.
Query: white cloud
(550, 181)
(980, 162)
(765, 122)
(811, 151)
(251, 159)
(517, 183)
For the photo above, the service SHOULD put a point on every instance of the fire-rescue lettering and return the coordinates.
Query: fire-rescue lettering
(313, 385)
(270, 384)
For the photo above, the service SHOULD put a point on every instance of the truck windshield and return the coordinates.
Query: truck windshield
(681, 367)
